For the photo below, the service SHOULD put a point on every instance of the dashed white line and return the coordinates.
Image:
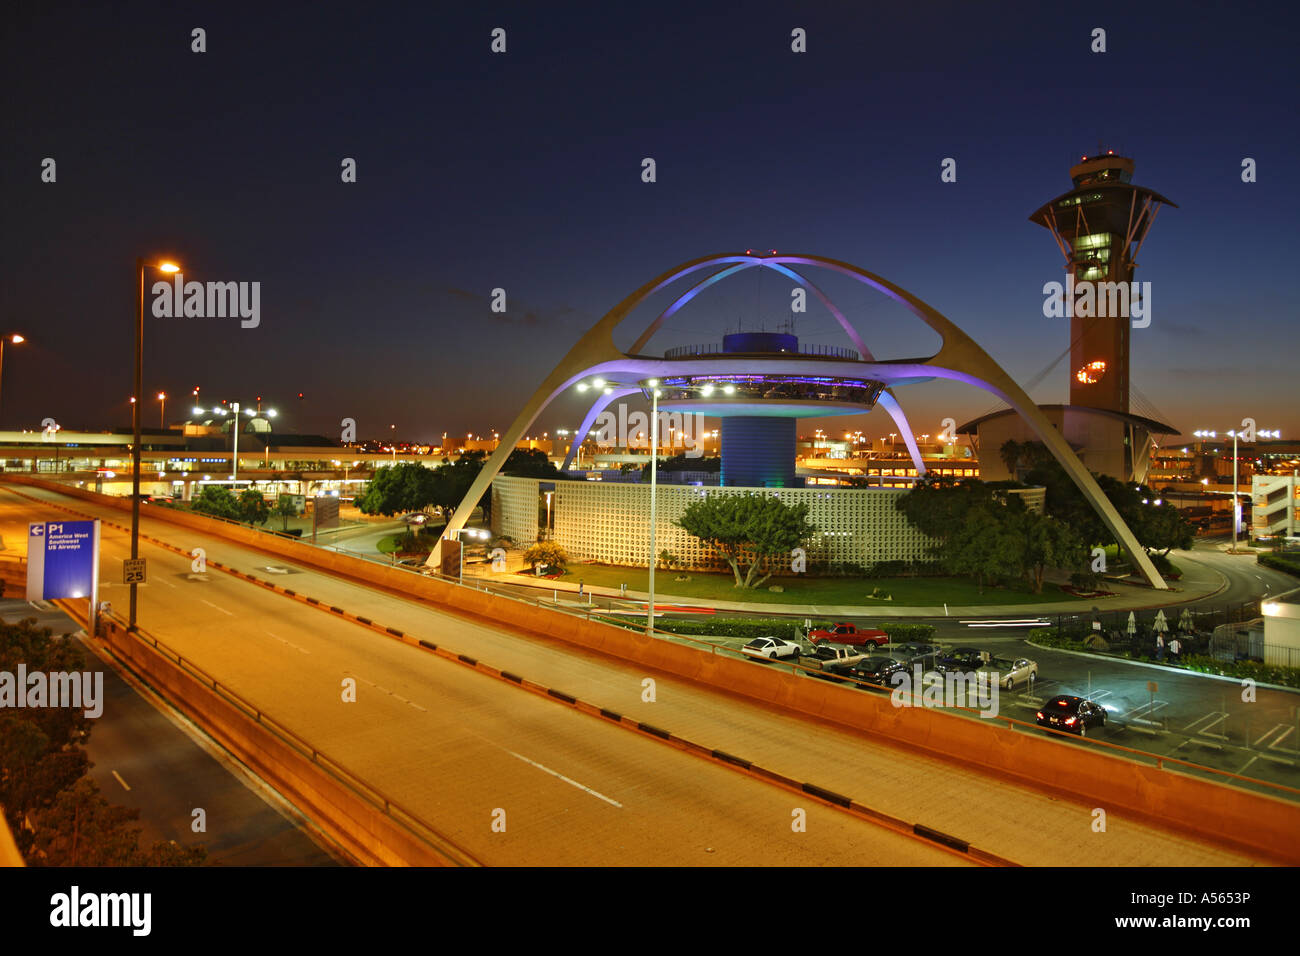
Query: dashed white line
(118, 777)
(300, 650)
(221, 609)
(560, 776)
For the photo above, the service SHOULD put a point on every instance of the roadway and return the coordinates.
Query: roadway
(148, 759)
(456, 745)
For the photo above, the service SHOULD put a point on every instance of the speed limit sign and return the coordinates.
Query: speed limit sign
(133, 571)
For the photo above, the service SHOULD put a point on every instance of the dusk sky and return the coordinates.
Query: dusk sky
(522, 171)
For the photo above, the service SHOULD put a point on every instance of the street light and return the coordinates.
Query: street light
(162, 409)
(1236, 507)
(650, 389)
(234, 429)
(14, 338)
(140, 266)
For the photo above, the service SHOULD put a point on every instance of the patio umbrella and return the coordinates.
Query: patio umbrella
(1160, 625)
(1132, 624)
(1185, 622)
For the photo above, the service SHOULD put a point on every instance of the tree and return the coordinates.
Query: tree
(683, 462)
(253, 508)
(1048, 543)
(81, 828)
(396, 489)
(546, 553)
(985, 545)
(1164, 527)
(285, 509)
(216, 501)
(938, 507)
(452, 481)
(528, 463)
(43, 765)
(756, 527)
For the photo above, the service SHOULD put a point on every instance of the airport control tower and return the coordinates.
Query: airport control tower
(1100, 225)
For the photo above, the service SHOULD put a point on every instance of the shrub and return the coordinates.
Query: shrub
(1280, 562)
(547, 553)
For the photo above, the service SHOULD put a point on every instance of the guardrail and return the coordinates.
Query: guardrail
(807, 348)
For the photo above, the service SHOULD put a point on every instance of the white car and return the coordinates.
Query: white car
(1008, 673)
(771, 648)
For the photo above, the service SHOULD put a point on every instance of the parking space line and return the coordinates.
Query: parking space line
(1277, 744)
(1268, 733)
(1214, 717)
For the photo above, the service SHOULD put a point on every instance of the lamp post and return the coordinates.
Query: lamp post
(136, 403)
(1247, 435)
(650, 389)
(16, 339)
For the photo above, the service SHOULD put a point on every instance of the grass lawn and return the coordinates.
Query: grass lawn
(911, 592)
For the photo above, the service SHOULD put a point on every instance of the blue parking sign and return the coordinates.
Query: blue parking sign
(62, 560)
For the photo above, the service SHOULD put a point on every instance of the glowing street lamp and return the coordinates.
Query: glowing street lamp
(140, 266)
(13, 338)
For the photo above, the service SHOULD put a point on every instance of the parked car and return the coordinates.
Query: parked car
(828, 660)
(964, 659)
(877, 669)
(1072, 714)
(771, 648)
(927, 655)
(1007, 673)
(848, 634)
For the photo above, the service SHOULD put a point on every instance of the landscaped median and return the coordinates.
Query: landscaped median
(748, 628)
(866, 592)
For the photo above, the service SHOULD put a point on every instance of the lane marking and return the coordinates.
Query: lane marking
(300, 650)
(572, 783)
(118, 777)
(221, 609)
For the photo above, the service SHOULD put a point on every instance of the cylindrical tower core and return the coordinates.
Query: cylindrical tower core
(758, 451)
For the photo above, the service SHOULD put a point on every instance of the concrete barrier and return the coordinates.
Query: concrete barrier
(1220, 811)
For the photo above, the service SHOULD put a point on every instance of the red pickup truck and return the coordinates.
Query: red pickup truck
(849, 634)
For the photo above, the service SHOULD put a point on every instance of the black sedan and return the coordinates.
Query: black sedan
(1072, 714)
(877, 669)
(962, 659)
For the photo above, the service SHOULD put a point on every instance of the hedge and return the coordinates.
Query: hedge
(784, 628)
(1280, 562)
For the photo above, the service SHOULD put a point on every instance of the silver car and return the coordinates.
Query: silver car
(1007, 673)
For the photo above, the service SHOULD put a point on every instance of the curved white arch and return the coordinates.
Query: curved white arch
(959, 358)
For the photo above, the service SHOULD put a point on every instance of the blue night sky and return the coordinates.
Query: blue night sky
(522, 171)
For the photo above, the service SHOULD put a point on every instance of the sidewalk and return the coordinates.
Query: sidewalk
(1199, 582)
